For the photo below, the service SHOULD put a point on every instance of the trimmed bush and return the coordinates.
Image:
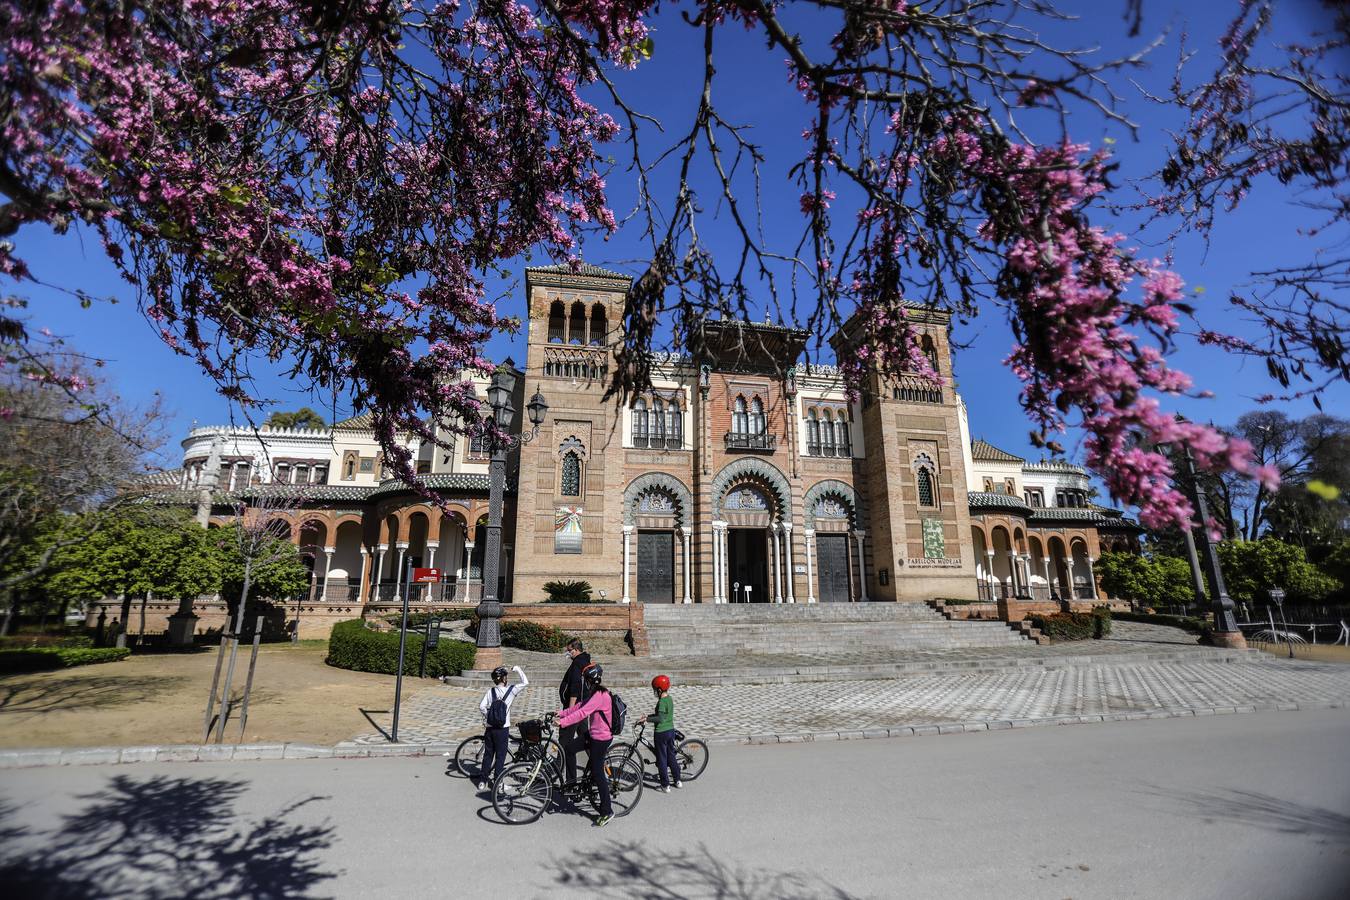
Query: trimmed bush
(568, 591)
(419, 619)
(44, 641)
(352, 645)
(533, 636)
(44, 658)
(1069, 626)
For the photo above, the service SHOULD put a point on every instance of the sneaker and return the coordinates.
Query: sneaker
(602, 821)
(679, 784)
(665, 789)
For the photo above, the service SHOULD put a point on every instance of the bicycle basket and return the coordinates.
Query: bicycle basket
(532, 731)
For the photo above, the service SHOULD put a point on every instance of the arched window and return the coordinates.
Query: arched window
(841, 431)
(827, 435)
(576, 325)
(571, 475)
(555, 323)
(929, 351)
(812, 433)
(926, 488)
(674, 426)
(756, 416)
(478, 447)
(740, 423)
(599, 325)
(658, 424)
(640, 423)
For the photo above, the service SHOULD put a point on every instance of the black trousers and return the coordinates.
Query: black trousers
(494, 756)
(666, 757)
(572, 740)
(597, 751)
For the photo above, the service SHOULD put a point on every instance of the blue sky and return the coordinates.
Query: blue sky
(753, 88)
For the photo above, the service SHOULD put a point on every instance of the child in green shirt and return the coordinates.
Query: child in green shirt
(666, 757)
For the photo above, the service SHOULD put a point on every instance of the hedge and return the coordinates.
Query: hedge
(43, 658)
(1074, 626)
(533, 636)
(351, 645)
(419, 619)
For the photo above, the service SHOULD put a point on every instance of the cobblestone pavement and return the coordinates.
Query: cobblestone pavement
(443, 713)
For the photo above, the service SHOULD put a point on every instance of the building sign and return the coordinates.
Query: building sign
(426, 576)
(919, 562)
(934, 544)
(567, 529)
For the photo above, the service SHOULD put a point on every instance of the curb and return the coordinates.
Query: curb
(93, 756)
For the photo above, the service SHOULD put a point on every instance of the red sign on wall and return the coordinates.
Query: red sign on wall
(426, 576)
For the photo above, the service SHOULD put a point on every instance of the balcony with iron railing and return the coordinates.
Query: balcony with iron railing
(645, 441)
(752, 441)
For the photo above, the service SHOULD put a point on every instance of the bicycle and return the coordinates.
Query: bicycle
(691, 753)
(521, 747)
(526, 789)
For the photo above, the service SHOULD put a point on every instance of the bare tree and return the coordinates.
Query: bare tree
(67, 445)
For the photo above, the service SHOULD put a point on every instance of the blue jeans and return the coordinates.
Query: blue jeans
(666, 757)
(494, 755)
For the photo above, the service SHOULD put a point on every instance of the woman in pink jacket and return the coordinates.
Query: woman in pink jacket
(599, 708)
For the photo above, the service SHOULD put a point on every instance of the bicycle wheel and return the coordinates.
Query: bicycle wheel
(625, 784)
(469, 757)
(693, 755)
(522, 793)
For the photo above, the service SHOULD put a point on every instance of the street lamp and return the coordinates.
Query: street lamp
(1226, 632)
(499, 393)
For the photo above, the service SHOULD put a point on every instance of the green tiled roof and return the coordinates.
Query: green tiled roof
(993, 500)
(444, 481)
(582, 269)
(987, 452)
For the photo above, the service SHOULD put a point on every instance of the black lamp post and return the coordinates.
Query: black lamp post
(1226, 631)
(499, 393)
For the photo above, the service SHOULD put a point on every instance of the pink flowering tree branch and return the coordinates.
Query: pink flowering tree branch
(333, 185)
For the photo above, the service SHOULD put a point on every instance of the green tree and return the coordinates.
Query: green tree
(1251, 568)
(1155, 580)
(300, 418)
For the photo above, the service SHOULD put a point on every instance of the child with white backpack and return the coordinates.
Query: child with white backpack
(496, 710)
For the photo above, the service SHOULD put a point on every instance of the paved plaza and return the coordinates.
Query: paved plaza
(1017, 695)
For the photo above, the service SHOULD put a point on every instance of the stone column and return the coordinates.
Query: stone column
(1068, 573)
(777, 582)
(432, 547)
(1045, 569)
(989, 570)
(627, 563)
(787, 560)
(398, 573)
(363, 589)
(327, 567)
(1013, 574)
(379, 568)
(716, 564)
(468, 568)
(687, 534)
(861, 535)
(810, 535)
(1092, 577)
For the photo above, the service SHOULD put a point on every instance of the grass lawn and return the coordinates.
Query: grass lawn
(160, 699)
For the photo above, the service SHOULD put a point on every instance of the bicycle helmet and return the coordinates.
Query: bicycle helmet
(661, 683)
(593, 673)
(499, 674)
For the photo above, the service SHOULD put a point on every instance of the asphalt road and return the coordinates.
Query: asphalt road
(1229, 806)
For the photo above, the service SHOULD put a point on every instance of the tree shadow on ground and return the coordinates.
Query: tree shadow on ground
(629, 869)
(36, 695)
(1264, 811)
(161, 838)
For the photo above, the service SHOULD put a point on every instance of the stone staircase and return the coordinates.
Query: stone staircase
(822, 628)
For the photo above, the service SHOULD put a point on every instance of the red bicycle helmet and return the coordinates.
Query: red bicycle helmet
(661, 683)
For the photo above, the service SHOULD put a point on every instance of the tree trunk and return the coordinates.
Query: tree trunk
(11, 611)
(126, 617)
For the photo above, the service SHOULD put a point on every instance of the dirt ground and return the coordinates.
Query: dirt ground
(160, 699)
(1318, 652)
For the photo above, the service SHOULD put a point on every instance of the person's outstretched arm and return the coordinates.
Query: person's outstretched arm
(524, 682)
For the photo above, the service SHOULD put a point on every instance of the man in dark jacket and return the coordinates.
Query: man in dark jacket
(572, 691)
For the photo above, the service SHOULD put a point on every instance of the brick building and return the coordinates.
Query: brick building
(744, 474)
